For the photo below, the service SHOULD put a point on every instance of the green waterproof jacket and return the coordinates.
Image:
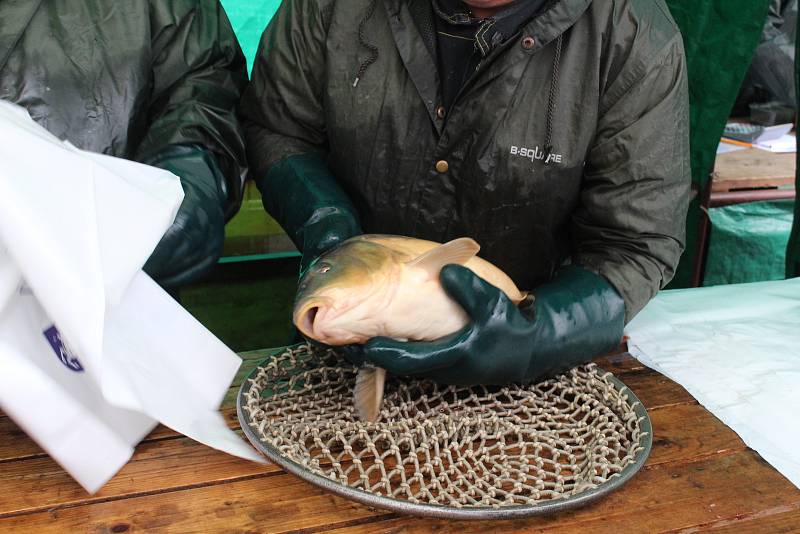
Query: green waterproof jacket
(128, 78)
(569, 142)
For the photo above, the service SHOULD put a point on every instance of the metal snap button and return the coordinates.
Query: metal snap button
(441, 112)
(528, 42)
(442, 166)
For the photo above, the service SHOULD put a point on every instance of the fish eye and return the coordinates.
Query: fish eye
(324, 268)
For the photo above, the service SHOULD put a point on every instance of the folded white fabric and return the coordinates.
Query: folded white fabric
(736, 349)
(92, 352)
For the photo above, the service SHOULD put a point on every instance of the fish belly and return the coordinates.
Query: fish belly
(421, 310)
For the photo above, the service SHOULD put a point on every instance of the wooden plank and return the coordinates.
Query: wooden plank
(14, 443)
(663, 497)
(655, 390)
(685, 433)
(781, 520)
(744, 196)
(682, 433)
(752, 168)
(271, 503)
(40, 484)
(620, 363)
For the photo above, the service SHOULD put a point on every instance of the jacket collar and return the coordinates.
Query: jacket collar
(15, 16)
(492, 30)
(548, 26)
(554, 21)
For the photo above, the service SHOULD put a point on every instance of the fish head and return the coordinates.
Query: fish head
(341, 293)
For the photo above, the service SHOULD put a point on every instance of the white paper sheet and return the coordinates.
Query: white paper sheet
(777, 139)
(74, 224)
(58, 405)
(736, 349)
(92, 352)
(782, 145)
(185, 375)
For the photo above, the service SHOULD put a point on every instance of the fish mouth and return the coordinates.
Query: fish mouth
(313, 319)
(306, 315)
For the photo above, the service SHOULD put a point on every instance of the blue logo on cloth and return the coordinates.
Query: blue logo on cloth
(69, 360)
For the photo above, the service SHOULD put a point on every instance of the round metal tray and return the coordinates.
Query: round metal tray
(452, 512)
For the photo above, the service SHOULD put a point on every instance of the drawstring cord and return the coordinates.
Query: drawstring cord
(373, 50)
(551, 101)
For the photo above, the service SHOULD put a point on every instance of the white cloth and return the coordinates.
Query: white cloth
(92, 352)
(736, 349)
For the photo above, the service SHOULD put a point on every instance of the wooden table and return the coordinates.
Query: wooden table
(700, 476)
(741, 175)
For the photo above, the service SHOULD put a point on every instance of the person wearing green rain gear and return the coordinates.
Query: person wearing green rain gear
(770, 78)
(554, 133)
(156, 82)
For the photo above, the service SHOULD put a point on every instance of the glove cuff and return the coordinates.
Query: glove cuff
(193, 244)
(301, 193)
(196, 167)
(582, 316)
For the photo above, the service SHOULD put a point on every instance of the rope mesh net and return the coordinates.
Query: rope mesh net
(446, 445)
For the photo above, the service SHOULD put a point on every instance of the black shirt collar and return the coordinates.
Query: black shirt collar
(491, 31)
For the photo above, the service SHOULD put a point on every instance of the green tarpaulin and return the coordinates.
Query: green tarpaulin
(249, 18)
(748, 242)
(720, 37)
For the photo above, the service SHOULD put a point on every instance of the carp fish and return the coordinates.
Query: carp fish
(384, 285)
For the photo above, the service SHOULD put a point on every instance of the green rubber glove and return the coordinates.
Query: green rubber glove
(193, 244)
(573, 318)
(302, 194)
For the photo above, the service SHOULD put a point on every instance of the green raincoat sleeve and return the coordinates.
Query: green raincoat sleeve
(283, 105)
(199, 72)
(630, 224)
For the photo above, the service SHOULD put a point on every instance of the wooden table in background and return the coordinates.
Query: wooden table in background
(700, 476)
(752, 171)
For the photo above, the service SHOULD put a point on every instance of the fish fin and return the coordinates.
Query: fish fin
(369, 392)
(459, 251)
